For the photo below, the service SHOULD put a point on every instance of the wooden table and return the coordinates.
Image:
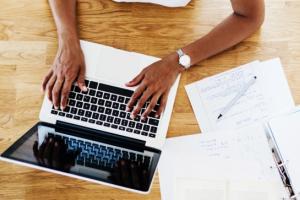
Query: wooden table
(28, 45)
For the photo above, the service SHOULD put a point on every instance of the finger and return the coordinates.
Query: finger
(136, 80)
(56, 91)
(163, 103)
(81, 79)
(116, 174)
(36, 152)
(138, 92)
(49, 86)
(56, 161)
(65, 93)
(46, 79)
(146, 95)
(41, 150)
(151, 105)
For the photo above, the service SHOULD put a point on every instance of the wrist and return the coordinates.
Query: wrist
(68, 39)
(173, 60)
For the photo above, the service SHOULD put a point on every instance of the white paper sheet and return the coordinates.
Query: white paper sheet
(223, 157)
(286, 132)
(268, 96)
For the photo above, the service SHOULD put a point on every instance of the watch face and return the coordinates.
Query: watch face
(185, 61)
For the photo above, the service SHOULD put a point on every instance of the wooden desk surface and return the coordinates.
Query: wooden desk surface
(28, 45)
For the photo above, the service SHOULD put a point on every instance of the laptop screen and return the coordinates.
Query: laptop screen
(45, 147)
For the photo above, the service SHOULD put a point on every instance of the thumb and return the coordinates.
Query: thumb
(81, 79)
(136, 80)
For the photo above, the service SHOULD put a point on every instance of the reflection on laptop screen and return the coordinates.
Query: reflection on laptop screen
(44, 146)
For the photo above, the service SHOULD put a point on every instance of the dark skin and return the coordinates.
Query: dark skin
(155, 81)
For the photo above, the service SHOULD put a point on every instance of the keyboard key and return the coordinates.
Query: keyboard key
(115, 113)
(146, 127)
(61, 114)
(122, 107)
(117, 121)
(86, 106)
(76, 117)
(106, 124)
(123, 114)
(102, 117)
(153, 129)
(99, 122)
(121, 99)
(114, 126)
(106, 96)
(153, 121)
(124, 122)
(74, 111)
(69, 116)
(88, 114)
(84, 119)
(113, 97)
(137, 131)
(92, 92)
(93, 100)
(101, 109)
(86, 82)
(108, 104)
(110, 119)
(127, 100)
(95, 116)
(77, 89)
(80, 112)
(115, 105)
(100, 102)
(79, 104)
(72, 102)
(129, 130)
(93, 108)
(131, 124)
(152, 135)
(139, 126)
(54, 112)
(108, 111)
(79, 97)
(122, 128)
(86, 99)
(93, 85)
(92, 121)
(144, 133)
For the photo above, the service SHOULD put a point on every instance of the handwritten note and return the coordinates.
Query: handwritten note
(209, 96)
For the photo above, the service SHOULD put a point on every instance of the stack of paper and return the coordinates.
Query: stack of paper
(268, 96)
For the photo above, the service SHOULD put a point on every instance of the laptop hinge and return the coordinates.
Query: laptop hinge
(101, 136)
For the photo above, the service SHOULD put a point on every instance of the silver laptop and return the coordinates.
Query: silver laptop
(94, 138)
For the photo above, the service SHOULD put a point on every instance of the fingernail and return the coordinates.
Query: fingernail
(132, 116)
(84, 88)
(156, 116)
(143, 118)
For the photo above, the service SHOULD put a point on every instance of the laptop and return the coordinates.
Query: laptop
(94, 139)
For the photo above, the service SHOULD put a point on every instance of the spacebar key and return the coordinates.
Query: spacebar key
(116, 90)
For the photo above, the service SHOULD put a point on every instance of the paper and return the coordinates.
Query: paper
(285, 131)
(268, 96)
(225, 158)
(168, 3)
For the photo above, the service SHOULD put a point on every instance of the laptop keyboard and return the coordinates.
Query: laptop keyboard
(105, 105)
(100, 156)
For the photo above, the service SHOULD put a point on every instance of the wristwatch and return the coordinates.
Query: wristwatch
(184, 59)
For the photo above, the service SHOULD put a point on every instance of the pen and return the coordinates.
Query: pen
(237, 97)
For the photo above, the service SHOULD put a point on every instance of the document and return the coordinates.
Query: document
(220, 165)
(268, 96)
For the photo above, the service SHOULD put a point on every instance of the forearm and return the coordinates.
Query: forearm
(64, 13)
(228, 33)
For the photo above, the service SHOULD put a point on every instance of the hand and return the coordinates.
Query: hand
(53, 153)
(154, 83)
(68, 66)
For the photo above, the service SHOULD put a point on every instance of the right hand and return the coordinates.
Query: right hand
(67, 68)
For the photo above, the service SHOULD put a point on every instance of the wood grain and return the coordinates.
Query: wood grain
(28, 45)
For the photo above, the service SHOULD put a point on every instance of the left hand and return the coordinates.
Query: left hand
(154, 83)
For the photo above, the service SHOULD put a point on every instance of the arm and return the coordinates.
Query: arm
(68, 65)
(156, 80)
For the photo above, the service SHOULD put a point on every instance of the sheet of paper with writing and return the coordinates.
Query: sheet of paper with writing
(268, 96)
